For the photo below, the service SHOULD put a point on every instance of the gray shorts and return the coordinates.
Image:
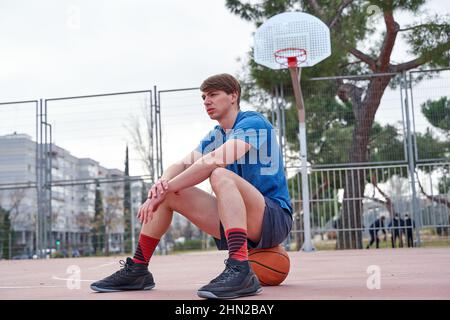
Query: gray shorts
(277, 223)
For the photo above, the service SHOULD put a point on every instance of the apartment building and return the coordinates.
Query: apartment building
(72, 197)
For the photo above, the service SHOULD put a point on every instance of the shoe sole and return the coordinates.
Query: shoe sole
(98, 289)
(210, 295)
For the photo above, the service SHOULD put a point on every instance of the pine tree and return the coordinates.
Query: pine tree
(5, 235)
(350, 25)
(127, 205)
(98, 226)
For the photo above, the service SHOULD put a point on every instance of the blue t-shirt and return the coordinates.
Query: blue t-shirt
(262, 165)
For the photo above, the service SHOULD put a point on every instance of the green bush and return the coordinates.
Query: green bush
(57, 254)
(193, 244)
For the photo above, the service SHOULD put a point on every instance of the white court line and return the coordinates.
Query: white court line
(70, 279)
(102, 265)
(32, 287)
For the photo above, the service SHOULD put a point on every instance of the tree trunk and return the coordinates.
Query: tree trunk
(106, 243)
(349, 235)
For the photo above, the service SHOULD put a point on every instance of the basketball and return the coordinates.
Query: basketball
(270, 265)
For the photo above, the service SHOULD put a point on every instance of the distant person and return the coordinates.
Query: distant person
(396, 226)
(410, 225)
(75, 253)
(374, 228)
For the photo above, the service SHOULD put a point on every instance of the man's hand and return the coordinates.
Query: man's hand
(147, 209)
(156, 196)
(158, 188)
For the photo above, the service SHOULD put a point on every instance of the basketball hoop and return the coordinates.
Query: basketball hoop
(293, 40)
(292, 34)
(290, 57)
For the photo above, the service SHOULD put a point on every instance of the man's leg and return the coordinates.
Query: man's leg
(245, 210)
(377, 241)
(197, 205)
(372, 239)
(240, 204)
(410, 239)
(241, 211)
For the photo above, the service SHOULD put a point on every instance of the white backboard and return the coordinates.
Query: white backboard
(292, 30)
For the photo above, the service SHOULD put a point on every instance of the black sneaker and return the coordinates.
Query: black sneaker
(132, 276)
(237, 280)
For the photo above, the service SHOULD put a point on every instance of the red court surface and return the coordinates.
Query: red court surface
(404, 274)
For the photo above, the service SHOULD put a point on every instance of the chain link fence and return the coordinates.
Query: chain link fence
(73, 178)
(69, 186)
(18, 192)
(430, 103)
(358, 192)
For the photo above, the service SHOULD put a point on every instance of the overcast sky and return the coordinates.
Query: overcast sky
(54, 48)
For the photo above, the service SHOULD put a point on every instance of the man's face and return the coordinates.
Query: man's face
(218, 103)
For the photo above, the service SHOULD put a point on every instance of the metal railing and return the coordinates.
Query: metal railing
(403, 168)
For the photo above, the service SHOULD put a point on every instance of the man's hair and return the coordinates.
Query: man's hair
(224, 82)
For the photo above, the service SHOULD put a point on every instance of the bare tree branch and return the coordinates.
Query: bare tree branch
(342, 66)
(388, 203)
(424, 58)
(439, 200)
(424, 25)
(364, 58)
(320, 189)
(392, 28)
(142, 138)
(317, 8)
(338, 15)
(376, 200)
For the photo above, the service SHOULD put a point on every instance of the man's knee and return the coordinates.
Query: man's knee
(171, 198)
(220, 177)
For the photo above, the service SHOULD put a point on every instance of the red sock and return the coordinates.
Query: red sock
(237, 243)
(145, 249)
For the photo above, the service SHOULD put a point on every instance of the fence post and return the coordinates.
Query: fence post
(411, 160)
(296, 76)
(10, 244)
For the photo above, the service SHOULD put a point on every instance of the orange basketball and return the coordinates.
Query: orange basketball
(270, 265)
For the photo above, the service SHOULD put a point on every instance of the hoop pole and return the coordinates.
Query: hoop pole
(295, 77)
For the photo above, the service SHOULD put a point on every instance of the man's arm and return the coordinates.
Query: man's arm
(157, 192)
(191, 175)
(178, 167)
(201, 169)
(172, 171)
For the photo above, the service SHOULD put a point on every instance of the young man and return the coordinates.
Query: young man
(410, 225)
(251, 207)
(396, 225)
(376, 226)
